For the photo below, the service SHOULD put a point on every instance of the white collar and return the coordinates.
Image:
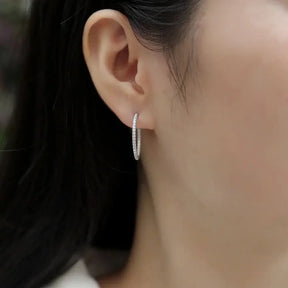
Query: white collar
(82, 276)
(77, 276)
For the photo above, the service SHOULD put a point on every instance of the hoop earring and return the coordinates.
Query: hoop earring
(136, 146)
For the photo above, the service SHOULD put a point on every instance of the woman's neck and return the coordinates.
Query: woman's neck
(180, 243)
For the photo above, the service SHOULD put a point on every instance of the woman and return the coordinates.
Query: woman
(197, 193)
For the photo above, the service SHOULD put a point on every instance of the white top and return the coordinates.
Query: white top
(82, 276)
(77, 276)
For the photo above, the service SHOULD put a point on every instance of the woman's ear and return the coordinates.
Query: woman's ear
(115, 59)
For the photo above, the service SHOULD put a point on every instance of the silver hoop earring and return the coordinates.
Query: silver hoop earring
(136, 144)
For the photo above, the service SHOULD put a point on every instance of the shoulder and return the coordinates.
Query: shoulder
(77, 276)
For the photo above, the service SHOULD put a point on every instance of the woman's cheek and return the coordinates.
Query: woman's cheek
(243, 70)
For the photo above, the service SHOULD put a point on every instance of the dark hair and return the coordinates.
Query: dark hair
(68, 179)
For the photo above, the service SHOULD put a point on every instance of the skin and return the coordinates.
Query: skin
(213, 189)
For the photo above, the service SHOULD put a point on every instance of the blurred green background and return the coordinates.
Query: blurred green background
(13, 16)
(2, 138)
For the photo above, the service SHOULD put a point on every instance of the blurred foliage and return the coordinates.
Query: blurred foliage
(12, 20)
(13, 11)
(13, 14)
(2, 138)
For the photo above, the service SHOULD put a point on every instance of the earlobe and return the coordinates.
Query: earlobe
(112, 54)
